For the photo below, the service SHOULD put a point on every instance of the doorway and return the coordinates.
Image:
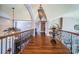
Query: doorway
(43, 27)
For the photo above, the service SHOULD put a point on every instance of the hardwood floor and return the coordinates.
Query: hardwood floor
(42, 45)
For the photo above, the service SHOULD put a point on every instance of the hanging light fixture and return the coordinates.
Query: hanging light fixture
(13, 17)
(41, 13)
(12, 29)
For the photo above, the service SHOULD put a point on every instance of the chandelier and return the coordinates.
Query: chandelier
(13, 28)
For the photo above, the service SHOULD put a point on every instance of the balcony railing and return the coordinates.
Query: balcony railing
(70, 40)
(13, 43)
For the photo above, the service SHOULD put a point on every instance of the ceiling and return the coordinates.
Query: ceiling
(20, 12)
(55, 10)
(52, 10)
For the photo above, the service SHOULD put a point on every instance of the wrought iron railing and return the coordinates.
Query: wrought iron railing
(70, 40)
(13, 43)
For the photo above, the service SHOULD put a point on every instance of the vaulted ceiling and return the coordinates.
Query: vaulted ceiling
(52, 10)
(20, 12)
(56, 10)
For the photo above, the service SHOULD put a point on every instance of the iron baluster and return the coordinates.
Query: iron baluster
(6, 46)
(71, 43)
(1, 46)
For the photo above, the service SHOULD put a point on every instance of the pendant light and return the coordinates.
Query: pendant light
(41, 13)
(13, 17)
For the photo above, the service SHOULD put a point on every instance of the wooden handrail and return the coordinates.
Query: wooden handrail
(70, 32)
(1, 37)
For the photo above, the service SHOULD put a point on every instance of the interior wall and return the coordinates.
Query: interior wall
(49, 25)
(24, 25)
(68, 24)
(21, 13)
(4, 24)
(51, 11)
(38, 27)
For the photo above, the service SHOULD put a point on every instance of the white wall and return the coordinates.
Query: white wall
(21, 13)
(49, 24)
(70, 19)
(55, 11)
(24, 25)
(68, 24)
(4, 24)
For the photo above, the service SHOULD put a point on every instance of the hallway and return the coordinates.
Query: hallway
(42, 45)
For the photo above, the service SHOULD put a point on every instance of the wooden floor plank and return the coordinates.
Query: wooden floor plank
(42, 45)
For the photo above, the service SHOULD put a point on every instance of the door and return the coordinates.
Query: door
(43, 27)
